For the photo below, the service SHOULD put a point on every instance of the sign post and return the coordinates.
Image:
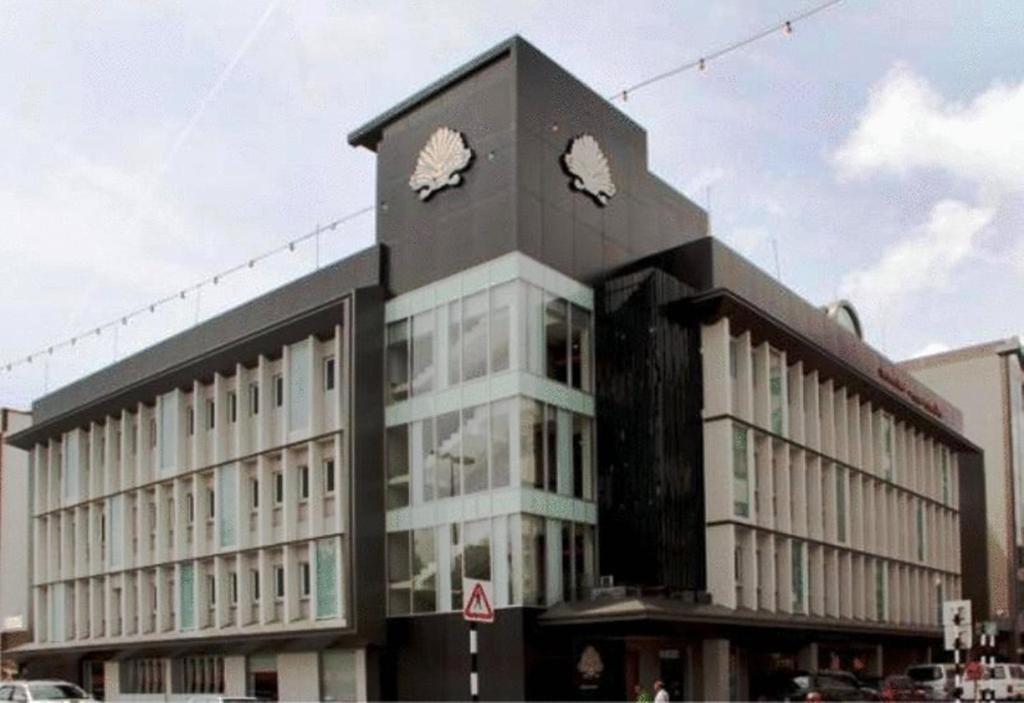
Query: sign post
(959, 636)
(477, 597)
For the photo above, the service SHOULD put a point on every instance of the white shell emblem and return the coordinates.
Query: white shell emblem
(440, 161)
(588, 166)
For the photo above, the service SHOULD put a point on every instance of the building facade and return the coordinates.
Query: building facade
(15, 554)
(545, 375)
(987, 382)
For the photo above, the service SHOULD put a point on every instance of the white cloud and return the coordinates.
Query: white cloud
(924, 261)
(908, 125)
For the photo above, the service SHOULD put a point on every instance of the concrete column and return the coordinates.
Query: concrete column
(298, 676)
(234, 676)
(807, 657)
(112, 679)
(715, 656)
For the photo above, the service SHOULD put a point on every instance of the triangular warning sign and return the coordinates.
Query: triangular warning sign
(478, 605)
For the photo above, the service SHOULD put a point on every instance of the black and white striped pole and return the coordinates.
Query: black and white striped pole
(476, 608)
(474, 674)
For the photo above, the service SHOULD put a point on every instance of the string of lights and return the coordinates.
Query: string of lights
(184, 293)
(701, 63)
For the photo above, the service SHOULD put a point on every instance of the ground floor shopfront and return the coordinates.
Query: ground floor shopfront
(331, 673)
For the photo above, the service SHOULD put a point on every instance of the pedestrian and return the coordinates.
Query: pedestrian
(660, 694)
(640, 695)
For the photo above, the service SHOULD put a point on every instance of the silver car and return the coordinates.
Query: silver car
(28, 691)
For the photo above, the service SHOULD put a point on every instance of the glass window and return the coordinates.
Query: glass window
(254, 492)
(454, 342)
(329, 373)
(945, 476)
(797, 561)
(551, 447)
(398, 360)
(531, 442)
(428, 456)
(474, 448)
(211, 415)
(501, 442)
(423, 353)
(556, 339)
(191, 420)
(304, 581)
(278, 487)
(775, 389)
(880, 590)
(254, 399)
(887, 450)
(477, 548)
(449, 472)
(474, 336)
(582, 458)
(567, 562)
(840, 504)
(232, 406)
(740, 472)
(424, 572)
(278, 390)
(534, 560)
(303, 482)
(399, 591)
(279, 582)
(398, 466)
(580, 348)
(502, 309)
(338, 675)
(329, 477)
(326, 579)
(920, 531)
(456, 566)
(255, 576)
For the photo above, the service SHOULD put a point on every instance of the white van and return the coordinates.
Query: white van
(937, 680)
(1006, 680)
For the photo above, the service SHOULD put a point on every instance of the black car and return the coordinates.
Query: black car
(820, 686)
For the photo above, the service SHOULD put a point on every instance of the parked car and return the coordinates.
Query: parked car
(29, 691)
(820, 686)
(223, 699)
(901, 688)
(936, 680)
(1006, 680)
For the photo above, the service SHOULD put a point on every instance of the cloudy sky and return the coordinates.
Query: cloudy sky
(146, 146)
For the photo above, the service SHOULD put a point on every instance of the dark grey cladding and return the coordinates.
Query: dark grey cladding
(261, 326)
(518, 111)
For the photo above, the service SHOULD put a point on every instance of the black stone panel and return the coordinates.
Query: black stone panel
(428, 657)
(649, 429)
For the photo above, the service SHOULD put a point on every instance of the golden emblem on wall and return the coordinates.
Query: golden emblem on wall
(590, 665)
(440, 162)
(588, 166)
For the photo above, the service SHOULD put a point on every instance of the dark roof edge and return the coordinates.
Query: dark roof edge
(369, 134)
(253, 318)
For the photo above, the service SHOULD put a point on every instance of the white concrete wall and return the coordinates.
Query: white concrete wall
(15, 554)
(298, 676)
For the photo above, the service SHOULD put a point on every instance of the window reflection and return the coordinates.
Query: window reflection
(474, 336)
(424, 572)
(398, 466)
(534, 560)
(502, 301)
(448, 474)
(501, 433)
(398, 360)
(556, 339)
(398, 573)
(423, 353)
(531, 442)
(474, 448)
(454, 343)
(580, 348)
